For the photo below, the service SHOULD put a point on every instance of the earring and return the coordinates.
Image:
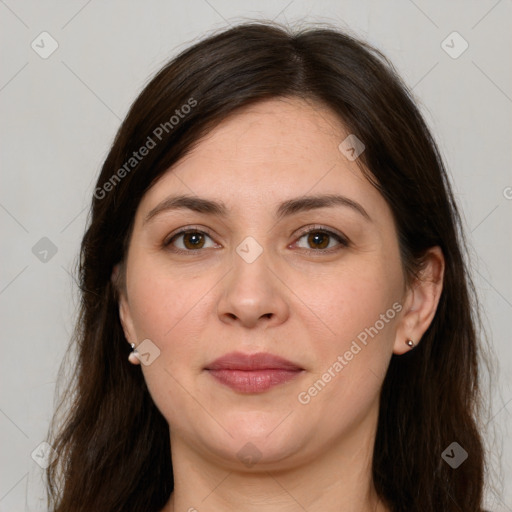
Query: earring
(410, 343)
(133, 357)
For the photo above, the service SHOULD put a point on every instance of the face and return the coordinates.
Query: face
(283, 249)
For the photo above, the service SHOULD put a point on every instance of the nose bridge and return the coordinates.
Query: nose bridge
(252, 293)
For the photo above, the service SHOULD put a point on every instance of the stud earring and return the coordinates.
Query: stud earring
(410, 343)
(133, 357)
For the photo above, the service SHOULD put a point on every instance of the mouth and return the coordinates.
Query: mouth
(252, 373)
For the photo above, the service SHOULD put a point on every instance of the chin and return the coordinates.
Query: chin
(258, 442)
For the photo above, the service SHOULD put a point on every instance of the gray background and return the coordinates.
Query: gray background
(59, 116)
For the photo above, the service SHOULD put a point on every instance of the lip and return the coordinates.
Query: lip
(252, 373)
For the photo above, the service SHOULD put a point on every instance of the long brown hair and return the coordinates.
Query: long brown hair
(113, 443)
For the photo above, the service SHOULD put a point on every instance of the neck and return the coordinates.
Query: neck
(339, 479)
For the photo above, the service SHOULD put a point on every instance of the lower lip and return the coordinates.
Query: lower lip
(253, 381)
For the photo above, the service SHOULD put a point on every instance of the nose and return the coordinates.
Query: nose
(253, 295)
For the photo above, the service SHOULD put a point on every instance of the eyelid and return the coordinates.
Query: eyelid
(330, 231)
(342, 239)
(184, 230)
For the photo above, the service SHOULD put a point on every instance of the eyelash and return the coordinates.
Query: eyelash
(342, 240)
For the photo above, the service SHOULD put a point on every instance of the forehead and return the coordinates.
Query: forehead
(267, 152)
(277, 132)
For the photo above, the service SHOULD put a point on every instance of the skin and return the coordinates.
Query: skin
(304, 298)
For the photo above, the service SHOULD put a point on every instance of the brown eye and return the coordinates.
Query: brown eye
(322, 240)
(193, 240)
(189, 240)
(318, 240)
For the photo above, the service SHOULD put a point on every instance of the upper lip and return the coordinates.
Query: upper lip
(258, 361)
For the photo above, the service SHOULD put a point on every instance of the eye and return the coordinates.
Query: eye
(188, 240)
(321, 239)
(317, 240)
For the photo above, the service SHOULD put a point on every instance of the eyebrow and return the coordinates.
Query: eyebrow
(286, 209)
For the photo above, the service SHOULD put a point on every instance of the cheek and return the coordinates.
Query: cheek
(357, 313)
(162, 302)
(170, 310)
(345, 304)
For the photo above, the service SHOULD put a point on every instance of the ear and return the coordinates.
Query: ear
(421, 300)
(124, 307)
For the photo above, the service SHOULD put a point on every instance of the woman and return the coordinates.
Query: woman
(273, 236)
